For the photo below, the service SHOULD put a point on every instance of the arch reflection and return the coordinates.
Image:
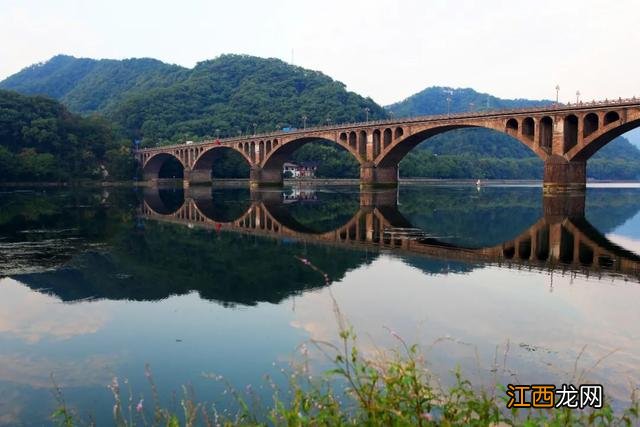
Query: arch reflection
(562, 238)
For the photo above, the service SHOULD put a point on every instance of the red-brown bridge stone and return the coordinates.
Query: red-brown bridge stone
(564, 137)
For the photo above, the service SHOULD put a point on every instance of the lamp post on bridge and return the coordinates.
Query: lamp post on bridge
(304, 122)
(255, 125)
(366, 112)
(577, 96)
(449, 94)
(557, 94)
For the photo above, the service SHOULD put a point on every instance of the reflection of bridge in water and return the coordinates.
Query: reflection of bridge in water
(562, 239)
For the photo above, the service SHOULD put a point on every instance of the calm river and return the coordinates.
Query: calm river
(507, 285)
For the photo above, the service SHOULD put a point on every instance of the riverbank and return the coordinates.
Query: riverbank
(239, 182)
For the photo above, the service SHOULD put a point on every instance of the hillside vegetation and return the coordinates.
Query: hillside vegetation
(159, 103)
(88, 85)
(41, 141)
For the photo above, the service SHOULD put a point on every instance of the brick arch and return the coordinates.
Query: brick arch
(601, 137)
(401, 146)
(208, 210)
(155, 199)
(204, 161)
(151, 167)
(281, 153)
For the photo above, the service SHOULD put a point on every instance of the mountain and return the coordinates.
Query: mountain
(88, 85)
(239, 94)
(161, 103)
(440, 100)
(484, 143)
(41, 141)
(634, 137)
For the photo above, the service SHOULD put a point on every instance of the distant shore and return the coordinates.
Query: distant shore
(234, 182)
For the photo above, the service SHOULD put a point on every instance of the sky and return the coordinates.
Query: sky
(387, 50)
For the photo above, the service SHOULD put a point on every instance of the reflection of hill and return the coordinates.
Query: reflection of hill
(332, 211)
(435, 267)
(169, 260)
(149, 260)
(609, 208)
(469, 218)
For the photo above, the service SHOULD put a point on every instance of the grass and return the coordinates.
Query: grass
(397, 390)
(394, 389)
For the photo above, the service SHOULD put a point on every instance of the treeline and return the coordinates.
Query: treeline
(41, 141)
(233, 95)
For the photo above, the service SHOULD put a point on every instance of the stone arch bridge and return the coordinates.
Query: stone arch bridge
(564, 137)
(561, 239)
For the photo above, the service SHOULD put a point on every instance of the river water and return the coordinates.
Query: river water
(507, 285)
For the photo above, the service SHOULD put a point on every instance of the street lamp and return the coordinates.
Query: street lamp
(304, 122)
(255, 125)
(366, 112)
(557, 93)
(449, 94)
(577, 96)
(217, 133)
(328, 121)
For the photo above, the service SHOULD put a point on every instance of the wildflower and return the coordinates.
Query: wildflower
(139, 406)
(427, 416)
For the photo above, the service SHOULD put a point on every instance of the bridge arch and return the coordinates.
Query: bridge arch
(591, 124)
(216, 206)
(275, 159)
(202, 169)
(528, 128)
(163, 201)
(401, 146)
(570, 132)
(158, 163)
(601, 136)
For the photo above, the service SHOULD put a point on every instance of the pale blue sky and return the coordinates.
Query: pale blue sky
(384, 49)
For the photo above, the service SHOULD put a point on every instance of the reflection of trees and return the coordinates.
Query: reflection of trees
(329, 213)
(148, 260)
(169, 260)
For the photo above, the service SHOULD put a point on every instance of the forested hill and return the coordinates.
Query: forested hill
(233, 93)
(236, 94)
(41, 141)
(480, 142)
(433, 100)
(88, 85)
(161, 103)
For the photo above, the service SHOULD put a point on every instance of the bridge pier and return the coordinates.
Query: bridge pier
(558, 207)
(197, 177)
(388, 197)
(260, 177)
(372, 176)
(563, 176)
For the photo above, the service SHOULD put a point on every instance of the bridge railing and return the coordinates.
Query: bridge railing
(404, 120)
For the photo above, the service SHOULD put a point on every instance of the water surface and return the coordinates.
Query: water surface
(505, 284)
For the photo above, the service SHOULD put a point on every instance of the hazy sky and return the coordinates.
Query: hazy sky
(384, 49)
